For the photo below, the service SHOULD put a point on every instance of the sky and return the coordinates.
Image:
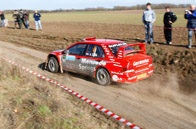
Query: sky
(79, 4)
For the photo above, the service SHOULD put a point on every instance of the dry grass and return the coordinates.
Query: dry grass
(29, 102)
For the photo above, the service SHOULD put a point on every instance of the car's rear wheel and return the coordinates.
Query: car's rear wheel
(103, 77)
(53, 65)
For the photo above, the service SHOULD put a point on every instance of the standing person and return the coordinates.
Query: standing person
(190, 15)
(168, 20)
(21, 14)
(149, 18)
(26, 19)
(37, 20)
(16, 18)
(2, 19)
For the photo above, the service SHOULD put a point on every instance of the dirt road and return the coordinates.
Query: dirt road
(154, 103)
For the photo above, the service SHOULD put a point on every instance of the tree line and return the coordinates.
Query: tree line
(136, 7)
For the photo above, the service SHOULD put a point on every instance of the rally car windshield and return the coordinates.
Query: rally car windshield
(115, 47)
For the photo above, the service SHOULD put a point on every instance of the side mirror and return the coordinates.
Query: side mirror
(66, 51)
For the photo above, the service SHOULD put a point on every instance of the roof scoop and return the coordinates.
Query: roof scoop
(90, 39)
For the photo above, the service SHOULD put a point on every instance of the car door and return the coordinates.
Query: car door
(71, 59)
(94, 56)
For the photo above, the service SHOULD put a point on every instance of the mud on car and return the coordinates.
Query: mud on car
(103, 59)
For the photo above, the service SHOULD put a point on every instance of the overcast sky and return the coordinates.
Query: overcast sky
(79, 4)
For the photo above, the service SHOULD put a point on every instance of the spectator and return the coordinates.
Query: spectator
(21, 14)
(2, 19)
(169, 19)
(37, 20)
(190, 15)
(149, 18)
(26, 19)
(20, 21)
(16, 18)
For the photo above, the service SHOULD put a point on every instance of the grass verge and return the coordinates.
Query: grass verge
(31, 103)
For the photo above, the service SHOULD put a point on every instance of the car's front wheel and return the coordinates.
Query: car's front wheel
(103, 77)
(53, 65)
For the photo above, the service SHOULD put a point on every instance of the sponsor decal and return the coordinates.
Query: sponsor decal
(117, 73)
(150, 72)
(115, 78)
(130, 71)
(71, 58)
(92, 62)
(86, 67)
(131, 78)
(69, 66)
(112, 59)
(91, 54)
(117, 65)
(107, 51)
(120, 54)
(117, 45)
(116, 62)
(142, 70)
(64, 57)
(141, 62)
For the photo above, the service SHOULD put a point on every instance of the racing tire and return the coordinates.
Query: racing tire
(103, 77)
(53, 65)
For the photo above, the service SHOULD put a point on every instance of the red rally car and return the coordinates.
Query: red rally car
(103, 59)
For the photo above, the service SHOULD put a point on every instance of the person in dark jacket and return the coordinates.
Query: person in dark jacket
(190, 15)
(2, 19)
(169, 19)
(37, 20)
(26, 19)
(16, 18)
(21, 14)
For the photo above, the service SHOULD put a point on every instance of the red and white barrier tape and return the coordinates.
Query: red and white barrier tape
(98, 107)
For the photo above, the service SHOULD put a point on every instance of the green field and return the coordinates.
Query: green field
(118, 17)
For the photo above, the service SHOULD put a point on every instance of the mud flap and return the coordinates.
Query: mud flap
(61, 67)
(46, 63)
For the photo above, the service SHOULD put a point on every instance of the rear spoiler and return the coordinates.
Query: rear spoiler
(121, 49)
